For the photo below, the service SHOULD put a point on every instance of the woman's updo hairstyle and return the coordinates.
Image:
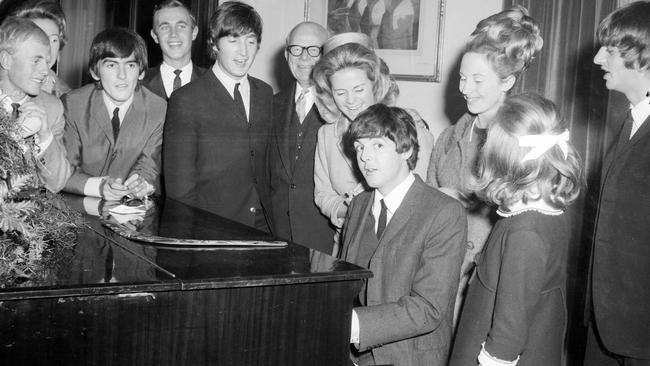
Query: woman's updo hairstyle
(508, 39)
(352, 56)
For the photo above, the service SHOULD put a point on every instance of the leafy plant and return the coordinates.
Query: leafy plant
(37, 229)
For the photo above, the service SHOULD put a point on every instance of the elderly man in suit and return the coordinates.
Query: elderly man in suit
(411, 237)
(174, 29)
(620, 298)
(24, 56)
(217, 127)
(114, 127)
(292, 146)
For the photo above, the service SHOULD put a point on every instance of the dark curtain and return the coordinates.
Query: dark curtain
(565, 73)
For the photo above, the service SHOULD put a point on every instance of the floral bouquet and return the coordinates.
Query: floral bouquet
(37, 229)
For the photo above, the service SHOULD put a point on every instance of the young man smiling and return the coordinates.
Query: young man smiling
(114, 127)
(24, 54)
(174, 29)
(217, 127)
(412, 238)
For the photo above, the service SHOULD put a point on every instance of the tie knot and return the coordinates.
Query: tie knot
(116, 112)
(383, 204)
(302, 94)
(236, 87)
(178, 72)
(15, 109)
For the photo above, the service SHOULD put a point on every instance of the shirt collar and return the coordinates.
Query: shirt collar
(227, 80)
(299, 90)
(640, 111)
(6, 101)
(395, 197)
(168, 69)
(110, 106)
(540, 206)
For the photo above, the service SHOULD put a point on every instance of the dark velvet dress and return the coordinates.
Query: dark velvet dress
(516, 302)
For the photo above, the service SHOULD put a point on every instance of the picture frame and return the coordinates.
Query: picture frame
(406, 34)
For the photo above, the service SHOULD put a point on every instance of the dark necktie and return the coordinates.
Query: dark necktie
(381, 224)
(239, 102)
(115, 121)
(15, 110)
(177, 79)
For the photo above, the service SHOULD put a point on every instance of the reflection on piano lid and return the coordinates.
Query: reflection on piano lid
(160, 240)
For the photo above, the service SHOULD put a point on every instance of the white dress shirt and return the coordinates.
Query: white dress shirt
(229, 83)
(309, 98)
(640, 113)
(168, 76)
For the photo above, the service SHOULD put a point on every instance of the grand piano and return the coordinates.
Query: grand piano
(134, 302)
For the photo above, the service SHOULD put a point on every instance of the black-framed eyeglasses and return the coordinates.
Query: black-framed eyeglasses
(313, 51)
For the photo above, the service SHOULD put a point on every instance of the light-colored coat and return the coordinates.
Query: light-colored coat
(52, 166)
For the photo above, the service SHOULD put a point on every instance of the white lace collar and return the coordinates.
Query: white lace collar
(540, 206)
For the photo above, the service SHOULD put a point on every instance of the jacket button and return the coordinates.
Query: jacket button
(293, 186)
(252, 210)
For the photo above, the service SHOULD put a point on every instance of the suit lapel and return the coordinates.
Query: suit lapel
(358, 222)
(623, 144)
(195, 73)
(99, 115)
(402, 215)
(134, 119)
(156, 84)
(254, 109)
(220, 93)
(639, 135)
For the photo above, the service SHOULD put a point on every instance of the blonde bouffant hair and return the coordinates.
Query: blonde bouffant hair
(353, 56)
(504, 178)
(508, 39)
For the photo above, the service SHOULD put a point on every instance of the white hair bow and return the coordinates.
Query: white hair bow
(542, 143)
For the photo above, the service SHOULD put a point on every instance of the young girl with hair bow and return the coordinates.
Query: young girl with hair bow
(515, 310)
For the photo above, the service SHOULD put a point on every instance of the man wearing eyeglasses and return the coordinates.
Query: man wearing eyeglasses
(293, 143)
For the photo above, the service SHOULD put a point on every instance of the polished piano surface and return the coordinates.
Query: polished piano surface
(120, 301)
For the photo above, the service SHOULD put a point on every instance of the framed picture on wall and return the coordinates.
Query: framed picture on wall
(407, 34)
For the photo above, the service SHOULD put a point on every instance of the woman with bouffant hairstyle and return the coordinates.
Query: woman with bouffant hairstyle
(497, 52)
(515, 311)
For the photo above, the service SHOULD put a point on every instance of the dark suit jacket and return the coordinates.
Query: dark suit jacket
(93, 152)
(212, 157)
(294, 214)
(153, 81)
(621, 251)
(409, 302)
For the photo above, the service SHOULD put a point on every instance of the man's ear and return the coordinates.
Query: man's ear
(6, 60)
(406, 154)
(94, 75)
(154, 36)
(142, 75)
(195, 32)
